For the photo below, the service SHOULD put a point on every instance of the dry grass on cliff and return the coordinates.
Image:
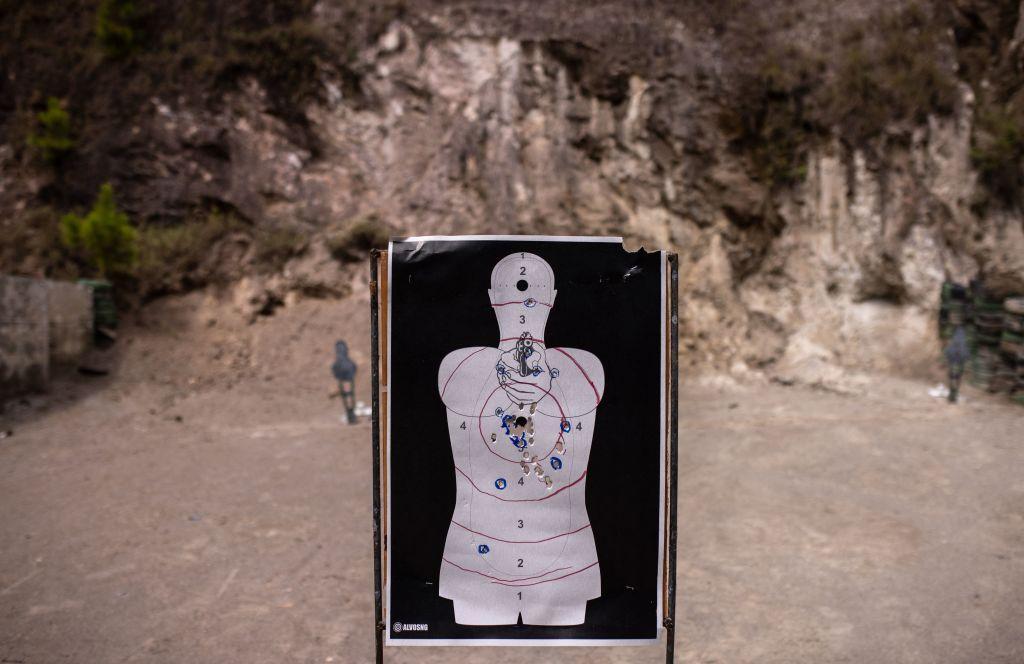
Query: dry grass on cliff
(30, 244)
(887, 72)
(357, 238)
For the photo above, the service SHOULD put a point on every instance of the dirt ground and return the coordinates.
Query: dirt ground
(204, 503)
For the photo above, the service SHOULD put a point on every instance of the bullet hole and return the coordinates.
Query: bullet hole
(520, 421)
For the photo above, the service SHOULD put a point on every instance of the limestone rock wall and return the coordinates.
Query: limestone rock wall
(493, 121)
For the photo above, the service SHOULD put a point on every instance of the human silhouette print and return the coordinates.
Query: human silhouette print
(344, 370)
(521, 420)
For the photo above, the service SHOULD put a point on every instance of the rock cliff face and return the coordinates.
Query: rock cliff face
(606, 120)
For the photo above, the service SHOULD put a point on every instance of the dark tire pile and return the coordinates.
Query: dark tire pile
(995, 335)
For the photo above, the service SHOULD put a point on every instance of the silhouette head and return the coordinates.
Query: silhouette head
(343, 368)
(522, 294)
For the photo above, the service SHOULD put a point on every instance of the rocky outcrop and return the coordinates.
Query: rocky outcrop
(479, 121)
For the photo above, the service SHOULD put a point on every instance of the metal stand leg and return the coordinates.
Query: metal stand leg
(348, 399)
(669, 622)
(378, 624)
(673, 456)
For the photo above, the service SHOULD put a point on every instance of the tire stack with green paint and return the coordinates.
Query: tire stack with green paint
(103, 306)
(995, 336)
(953, 309)
(1012, 346)
(987, 325)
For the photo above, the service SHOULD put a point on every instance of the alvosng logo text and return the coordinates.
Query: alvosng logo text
(409, 627)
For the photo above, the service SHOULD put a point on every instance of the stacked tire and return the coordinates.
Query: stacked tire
(986, 371)
(994, 327)
(1011, 346)
(954, 309)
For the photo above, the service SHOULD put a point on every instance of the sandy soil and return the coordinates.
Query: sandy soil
(204, 503)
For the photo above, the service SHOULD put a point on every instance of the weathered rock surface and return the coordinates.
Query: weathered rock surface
(486, 120)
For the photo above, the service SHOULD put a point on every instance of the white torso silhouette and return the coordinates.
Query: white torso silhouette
(521, 420)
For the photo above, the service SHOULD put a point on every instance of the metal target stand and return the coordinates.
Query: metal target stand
(378, 267)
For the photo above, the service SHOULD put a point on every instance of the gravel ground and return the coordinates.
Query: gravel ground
(147, 522)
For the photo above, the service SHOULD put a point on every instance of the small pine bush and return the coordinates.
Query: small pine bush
(105, 235)
(53, 138)
(355, 241)
(114, 32)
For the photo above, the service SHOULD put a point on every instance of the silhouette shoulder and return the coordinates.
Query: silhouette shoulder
(581, 377)
(461, 373)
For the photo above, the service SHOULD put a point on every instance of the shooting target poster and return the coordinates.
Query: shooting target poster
(524, 465)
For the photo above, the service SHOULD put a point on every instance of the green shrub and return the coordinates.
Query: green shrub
(998, 152)
(174, 257)
(53, 135)
(274, 248)
(354, 242)
(114, 29)
(104, 236)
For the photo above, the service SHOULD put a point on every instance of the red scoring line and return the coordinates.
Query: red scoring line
(520, 500)
(454, 371)
(480, 424)
(597, 397)
(537, 583)
(465, 359)
(561, 434)
(498, 539)
(497, 580)
(505, 304)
